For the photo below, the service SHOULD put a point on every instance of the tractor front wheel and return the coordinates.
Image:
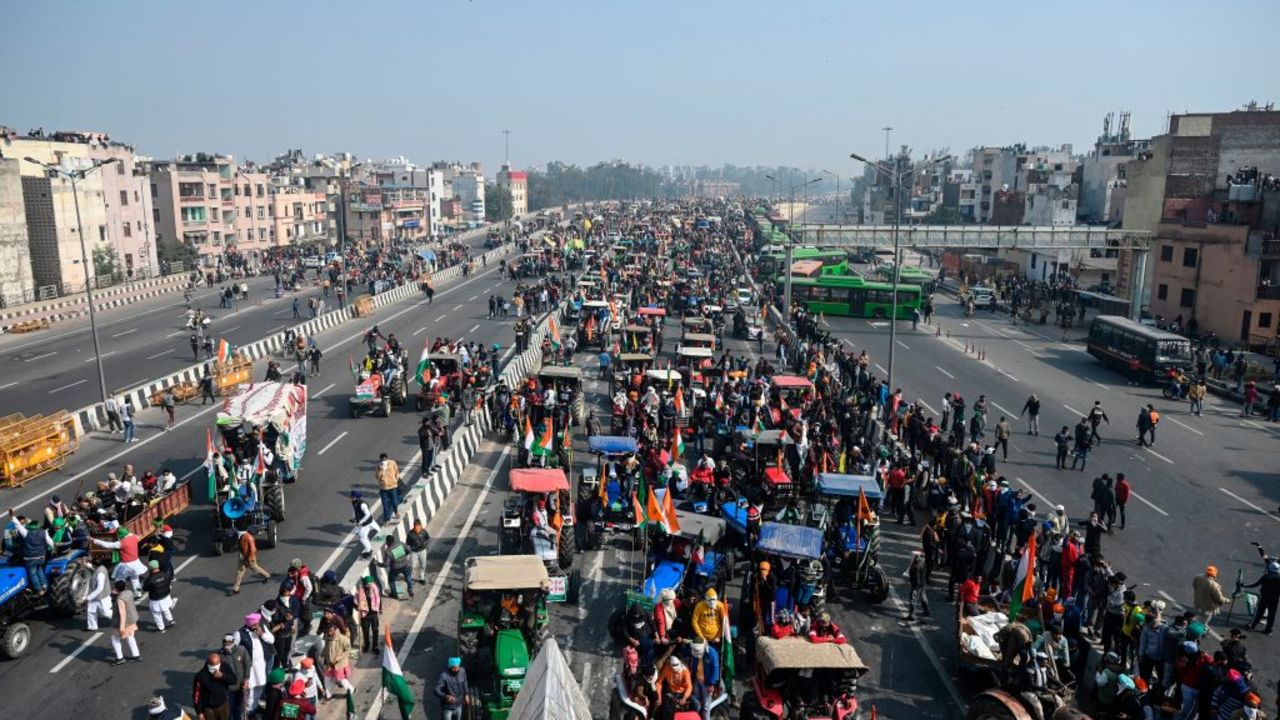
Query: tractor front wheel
(15, 640)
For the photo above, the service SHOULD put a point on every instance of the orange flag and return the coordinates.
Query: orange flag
(669, 509)
(635, 507)
(864, 508)
(653, 508)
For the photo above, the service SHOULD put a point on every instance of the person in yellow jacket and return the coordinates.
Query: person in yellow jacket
(1196, 395)
(710, 618)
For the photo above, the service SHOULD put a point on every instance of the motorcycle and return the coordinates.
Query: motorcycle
(195, 318)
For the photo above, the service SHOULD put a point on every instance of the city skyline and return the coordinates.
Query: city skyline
(684, 86)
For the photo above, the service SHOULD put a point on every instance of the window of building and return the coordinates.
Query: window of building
(213, 214)
(102, 233)
(1033, 261)
(128, 230)
(1166, 253)
(1188, 298)
(1189, 257)
(261, 190)
(213, 190)
(119, 168)
(262, 213)
(124, 198)
(1264, 320)
(155, 215)
(136, 196)
(1066, 204)
(155, 191)
(1162, 292)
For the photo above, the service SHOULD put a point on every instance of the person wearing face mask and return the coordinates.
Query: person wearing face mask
(162, 551)
(211, 691)
(236, 659)
(710, 618)
(98, 600)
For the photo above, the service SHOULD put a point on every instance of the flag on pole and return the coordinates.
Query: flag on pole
(424, 364)
(211, 464)
(393, 679)
(224, 350)
(351, 364)
(728, 669)
(679, 403)
(554, 330)
(639, 512)
(1025, 580)
(528, 433)
(653, 510)
(873, 712)
(547, 442)
(671, 523)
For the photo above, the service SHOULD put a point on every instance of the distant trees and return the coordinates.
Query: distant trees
(561, 183)
(498, 205)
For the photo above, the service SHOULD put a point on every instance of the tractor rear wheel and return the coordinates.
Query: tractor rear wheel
(273, 498)
(273, 535)
(996, 705)
(69, 590)
(386, 406)
(877, 585)
(15, 640)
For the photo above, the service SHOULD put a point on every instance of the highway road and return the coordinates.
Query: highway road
(67, 672)
(55, 370)
(1201, 494)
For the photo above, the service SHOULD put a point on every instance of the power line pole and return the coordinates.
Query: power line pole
(506, 147)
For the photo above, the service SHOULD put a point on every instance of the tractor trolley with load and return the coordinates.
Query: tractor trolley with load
(795, 679)
(539, 518)
(265, 425)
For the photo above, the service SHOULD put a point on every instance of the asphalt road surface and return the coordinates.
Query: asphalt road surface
(54, 369)
(67, 672)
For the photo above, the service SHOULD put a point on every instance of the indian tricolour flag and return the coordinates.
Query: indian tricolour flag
(528, 433)
(224, 350)
(1024, 582)
(424, 364)
(211, 464)
(393, 680)
(546, 443)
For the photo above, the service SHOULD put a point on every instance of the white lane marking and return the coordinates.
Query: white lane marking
(1175, 421)
(276, 329)
(477, 327)
(228, 331)
(176, 334)
(1153, 452)
(1246, 502)
(193, 471)
(929, 653)
(442, 316)
(996, 405)
(149, 438)
(332, 442)
(184, 564)
(41, 356)
(881, 368)
(1002, 372)
(458, 306)
(445, 571)
(74, 653)
(904, 345)
(126, 332)
(64, 387)
(1025, 346)
(419, 331)
(927, 406)
(1095, 382)
(7, 385)
(166, 352)
(1169, 597)
(322, 390)
(1252, 424)
(944, 372)
(1148, 503)
(472, 298)
(1077, 412)
(105, 355)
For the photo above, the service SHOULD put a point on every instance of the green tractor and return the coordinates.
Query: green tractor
(501, 625)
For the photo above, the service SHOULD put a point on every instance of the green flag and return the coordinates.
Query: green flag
(727, 670)
(393, 681)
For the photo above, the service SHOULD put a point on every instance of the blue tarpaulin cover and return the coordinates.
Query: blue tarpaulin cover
(848, 485)
(793, 541)
(612, 444)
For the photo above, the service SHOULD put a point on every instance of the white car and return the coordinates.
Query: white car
(311, 261)
(982, 297)
(744, 296)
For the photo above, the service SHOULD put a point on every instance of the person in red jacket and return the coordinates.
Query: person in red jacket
(1070, 556)
(1123, 491)
(825, 631)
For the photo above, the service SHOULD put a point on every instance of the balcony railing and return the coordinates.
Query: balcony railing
(1271, 248)
(1269, 292)
(191, 198)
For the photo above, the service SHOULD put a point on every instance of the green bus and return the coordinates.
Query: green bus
(834, 262)
(909, 276)
(853, 296)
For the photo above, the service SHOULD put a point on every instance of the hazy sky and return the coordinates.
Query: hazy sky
(683, 81)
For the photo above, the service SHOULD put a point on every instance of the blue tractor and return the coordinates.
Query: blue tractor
(68, 576)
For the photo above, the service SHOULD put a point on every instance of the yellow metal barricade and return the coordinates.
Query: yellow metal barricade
(30, 447)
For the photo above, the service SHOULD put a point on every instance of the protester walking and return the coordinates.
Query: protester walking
(1208, 596)
(126, 624)
(212, 688)
(248, 560)
(388, 477)
(1031, 408)
(418, 540)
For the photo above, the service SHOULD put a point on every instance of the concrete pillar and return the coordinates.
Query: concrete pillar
(1138, 284)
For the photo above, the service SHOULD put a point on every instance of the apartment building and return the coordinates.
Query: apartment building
(517, 183)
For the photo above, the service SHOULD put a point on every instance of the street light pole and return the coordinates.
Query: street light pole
(896, 172)
(74, 176)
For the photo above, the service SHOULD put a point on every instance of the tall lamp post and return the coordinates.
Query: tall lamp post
(786, 271)
(896, 173)
(837, 177)
(74, 177)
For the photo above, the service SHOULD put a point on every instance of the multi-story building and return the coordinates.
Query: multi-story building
(960, 194)
(1208, 191)
(16, 281)
(517, 183)
(1103, 181)
(298, 216)
(466, 183)
(113, 209)
(195, 204)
